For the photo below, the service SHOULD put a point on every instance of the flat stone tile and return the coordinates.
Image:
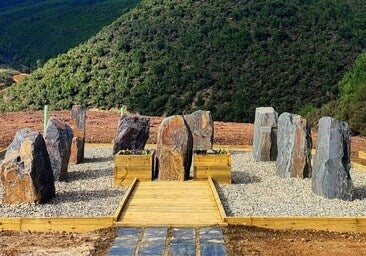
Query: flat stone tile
(182, 250)
(153, 241)
(118, 251)
(183, 236)
(128, 232)
(213, 249)
(211, 235)
(156, 232)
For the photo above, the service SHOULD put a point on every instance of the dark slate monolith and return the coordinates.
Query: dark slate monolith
(17, 141)
(26, 173)
(294, 146)
(331, 177)
(174, 149)
(132, 133)
(77, 124)
(201, 126)
(58, 139)
(265, 134)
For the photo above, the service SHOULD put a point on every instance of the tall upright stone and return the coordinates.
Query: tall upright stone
(265, 134)
(17, 141)
(174, 149)
(331, 177)
(58, 139)
(77, 124)
(132, 133)
(26, 172)
(201, 126)
(294, 146)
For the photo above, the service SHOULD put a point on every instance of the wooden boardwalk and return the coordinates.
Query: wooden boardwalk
(188, 203)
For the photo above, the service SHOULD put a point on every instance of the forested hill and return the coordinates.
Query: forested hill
(34, 30)
(174, 56)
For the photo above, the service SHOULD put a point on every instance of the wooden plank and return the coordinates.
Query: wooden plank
(10, 224)
(339, 224)
(122, 204)
(358, 166)
(212, 160)
(66, 224)
(217, 199)
(133, 160)
(362, 154)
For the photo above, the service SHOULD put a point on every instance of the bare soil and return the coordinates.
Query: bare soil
(240, 240)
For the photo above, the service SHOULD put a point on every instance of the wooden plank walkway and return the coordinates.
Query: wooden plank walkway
(171, 203)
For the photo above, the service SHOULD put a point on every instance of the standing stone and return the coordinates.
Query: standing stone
(78, 118)
(174, 149)
(26, 173)
(17, 141)
(132, 133)
(201, 126)
(294, 146)
(331, 177)
(265, 134)
(58, 141)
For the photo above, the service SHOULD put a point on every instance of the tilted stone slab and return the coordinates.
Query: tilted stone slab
(201, 126)
(294, 146)
(331, 171)
(26, 174)
(174, 149)
(265, 134)
(132, 133)
(17, 141)
(58, 139)
(77, 124)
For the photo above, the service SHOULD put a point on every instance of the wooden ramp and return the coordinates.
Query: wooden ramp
(188, 203)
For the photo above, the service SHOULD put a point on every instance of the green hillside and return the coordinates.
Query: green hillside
(170, 56)
(34, 30)
(351, 106)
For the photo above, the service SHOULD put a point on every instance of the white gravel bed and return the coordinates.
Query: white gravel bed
(257, 191)
(87, 192)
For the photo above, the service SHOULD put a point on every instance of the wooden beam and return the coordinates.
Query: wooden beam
(358, 166)
(217, 200)
(67, 224)
(362, 154)
(118, 211)
(339, 224)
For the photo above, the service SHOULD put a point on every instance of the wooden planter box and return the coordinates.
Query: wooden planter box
(217, 166)
(127, 167)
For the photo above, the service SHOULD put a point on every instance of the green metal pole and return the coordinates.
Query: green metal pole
(45, 118)
(123, 110)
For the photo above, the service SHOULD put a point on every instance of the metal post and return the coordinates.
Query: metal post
(45, 118)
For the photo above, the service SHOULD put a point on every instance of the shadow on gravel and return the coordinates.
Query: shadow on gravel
(244, 178)
(84, 196)
(98, 159)
(89, 174)
(359, 193)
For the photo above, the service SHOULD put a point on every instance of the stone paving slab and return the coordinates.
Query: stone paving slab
(178, 242)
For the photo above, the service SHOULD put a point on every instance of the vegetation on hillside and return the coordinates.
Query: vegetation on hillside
(34, 30)
(6, 77)
(351, 106)
(170, 56)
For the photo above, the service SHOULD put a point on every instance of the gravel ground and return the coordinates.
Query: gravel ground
(257, 191)
(88, 191)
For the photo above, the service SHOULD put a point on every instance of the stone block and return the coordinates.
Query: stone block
(201, 126)
(294, 146)
(77, 124)
(331, 171)
(265, 134)
(58, 139)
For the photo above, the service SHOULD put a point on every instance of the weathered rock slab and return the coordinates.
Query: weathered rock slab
(132, 133)
(77, 124)
(17, 141)
(201, 126)
(58, 139)
(26, 174)
(331, 171)
(174, 149)
(265, 134)
(294, 146)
